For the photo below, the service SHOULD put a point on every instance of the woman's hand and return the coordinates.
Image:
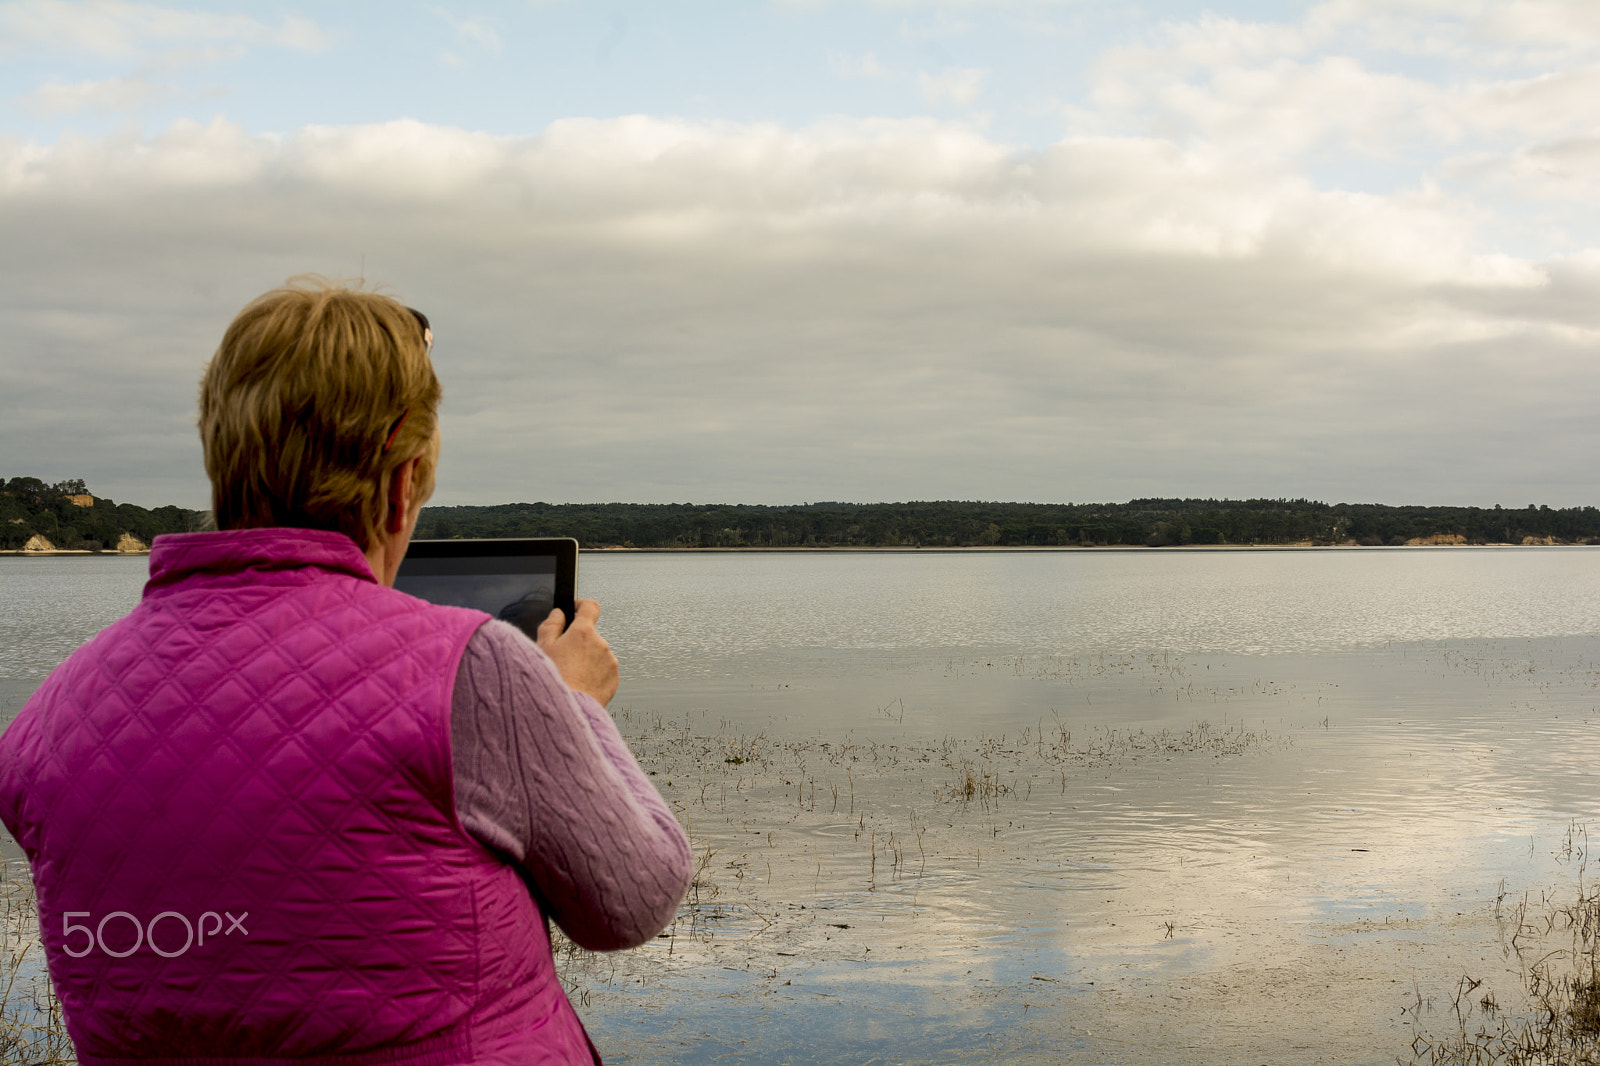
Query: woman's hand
(581, 653)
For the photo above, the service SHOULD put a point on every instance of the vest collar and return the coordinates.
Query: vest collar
(176, 556)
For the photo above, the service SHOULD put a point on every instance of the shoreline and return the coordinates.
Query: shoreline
(69, 551)
(934, 549)
(937, 549)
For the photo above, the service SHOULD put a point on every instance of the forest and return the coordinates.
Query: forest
(1146, 522)
(66, 515)
(69, 517)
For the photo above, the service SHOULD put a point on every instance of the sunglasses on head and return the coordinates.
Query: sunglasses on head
(422, 323)
(427, 340)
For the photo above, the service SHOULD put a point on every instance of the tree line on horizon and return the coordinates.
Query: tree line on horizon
(952, 524)
(30, 506)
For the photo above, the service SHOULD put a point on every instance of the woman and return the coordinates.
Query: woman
(284, 812)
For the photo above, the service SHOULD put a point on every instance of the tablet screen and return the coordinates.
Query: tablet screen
(518, 581)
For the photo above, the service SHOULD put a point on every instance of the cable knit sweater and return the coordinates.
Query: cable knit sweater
(542, 776)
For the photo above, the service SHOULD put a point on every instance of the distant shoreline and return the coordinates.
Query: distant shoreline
(68, 551)
(1015, 548)
(65, 518)
(931, 549)
(1155, 523)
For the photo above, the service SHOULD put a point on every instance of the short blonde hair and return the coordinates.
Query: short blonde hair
(317, 393)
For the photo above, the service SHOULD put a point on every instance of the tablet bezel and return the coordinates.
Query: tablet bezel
(563, 549)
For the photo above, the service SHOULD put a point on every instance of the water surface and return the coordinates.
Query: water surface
(1247, 805)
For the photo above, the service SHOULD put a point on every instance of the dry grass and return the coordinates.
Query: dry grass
(1556, 1021)
(32, 1029)
(970, 785)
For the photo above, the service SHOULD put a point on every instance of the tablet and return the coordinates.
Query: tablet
(518, 581)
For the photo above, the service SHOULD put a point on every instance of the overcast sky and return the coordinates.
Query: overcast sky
(776, 253)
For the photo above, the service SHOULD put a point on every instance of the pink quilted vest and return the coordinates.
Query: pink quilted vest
(238, 807)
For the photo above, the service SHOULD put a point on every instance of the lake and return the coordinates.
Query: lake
(1099, 806)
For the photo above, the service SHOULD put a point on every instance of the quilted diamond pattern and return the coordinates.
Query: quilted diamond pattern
(267, 735)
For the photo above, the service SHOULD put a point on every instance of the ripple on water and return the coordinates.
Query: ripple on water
(55, 603)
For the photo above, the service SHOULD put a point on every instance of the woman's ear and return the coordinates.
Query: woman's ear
(402, 487)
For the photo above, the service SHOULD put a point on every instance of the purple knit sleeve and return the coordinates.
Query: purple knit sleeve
(542, 774)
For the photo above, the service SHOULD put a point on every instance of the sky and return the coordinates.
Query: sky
(866, 251)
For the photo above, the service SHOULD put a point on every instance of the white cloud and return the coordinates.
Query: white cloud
(1543, 106)
(112, 94)
(1494, 98)
(646, 309)
(1481, 32)
(959, 85)
(477, 30)
(1567, 169)
(120, 28)
(864, 66)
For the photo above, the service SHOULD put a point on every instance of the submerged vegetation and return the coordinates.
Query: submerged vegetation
(786, 829)
(1553, 1018)
(32, 1029)
(1150, 522)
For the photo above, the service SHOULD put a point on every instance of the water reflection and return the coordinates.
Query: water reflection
(1357, 845)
